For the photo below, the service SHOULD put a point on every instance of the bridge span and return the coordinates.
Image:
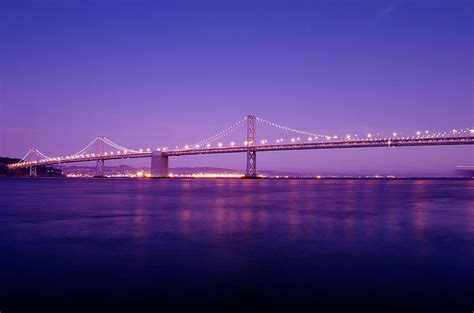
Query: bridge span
(160, 157)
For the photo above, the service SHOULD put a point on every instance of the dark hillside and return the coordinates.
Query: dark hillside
(42, 171)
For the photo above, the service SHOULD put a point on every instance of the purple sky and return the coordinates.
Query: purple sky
(166, 73)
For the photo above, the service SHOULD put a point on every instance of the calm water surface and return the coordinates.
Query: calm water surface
(229, 245)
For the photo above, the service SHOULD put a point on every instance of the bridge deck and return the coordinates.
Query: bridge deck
(379, 143)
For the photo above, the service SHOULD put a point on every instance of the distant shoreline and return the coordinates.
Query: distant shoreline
(233, 178)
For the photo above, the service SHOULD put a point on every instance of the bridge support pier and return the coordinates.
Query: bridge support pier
(159, 164)
(33, 171)
(99, 170)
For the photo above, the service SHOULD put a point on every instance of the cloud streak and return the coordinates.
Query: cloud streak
(392, 7)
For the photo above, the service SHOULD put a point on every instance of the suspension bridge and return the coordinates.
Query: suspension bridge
(96, 149)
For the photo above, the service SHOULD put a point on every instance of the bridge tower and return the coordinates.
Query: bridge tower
(99, 171)
(251, 170)
(33, 171)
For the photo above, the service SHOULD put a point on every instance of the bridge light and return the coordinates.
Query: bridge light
(141, 150)
(335, 137)
(262, 141)
(147, 149)
(472, 131)
(455, 131)
(186, 147)
(309, 138)
(328, 137)
(246, 143)
(232, 143)
(111, 153)
(208, 145)
(219, 144)
(394, 134)
(418, 133)
(278, 140)
(292, 139)
(348, 136)
(369, 135)
(426, 132)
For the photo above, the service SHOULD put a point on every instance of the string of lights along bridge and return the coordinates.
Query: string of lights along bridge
(101, 148)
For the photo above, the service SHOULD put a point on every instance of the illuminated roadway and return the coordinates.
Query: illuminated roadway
(375, 143)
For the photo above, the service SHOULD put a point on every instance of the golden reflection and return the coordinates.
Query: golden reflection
(420, 209)
(293, 219)
(185, 215)
(139, 233)
(185, 218)
(219, 215)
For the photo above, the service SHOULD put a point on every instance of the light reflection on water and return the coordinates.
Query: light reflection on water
(307, 239)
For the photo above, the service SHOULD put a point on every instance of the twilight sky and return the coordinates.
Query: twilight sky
(166, 73)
